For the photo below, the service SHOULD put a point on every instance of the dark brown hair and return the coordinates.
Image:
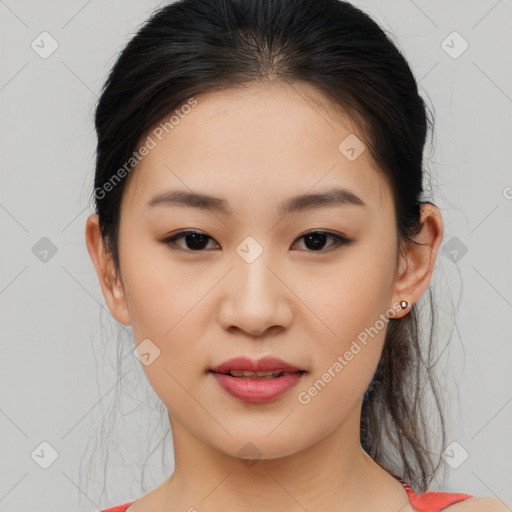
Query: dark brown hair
(192, 47)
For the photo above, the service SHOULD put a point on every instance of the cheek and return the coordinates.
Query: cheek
(350, 315)
(160, 294)
(166, 303)
(349, 297)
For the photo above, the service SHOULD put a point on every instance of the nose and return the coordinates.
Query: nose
(256, 298)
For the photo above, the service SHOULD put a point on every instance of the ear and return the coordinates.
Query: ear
(417, 260)
(110, 282)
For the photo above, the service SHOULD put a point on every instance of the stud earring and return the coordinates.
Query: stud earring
(404, 304)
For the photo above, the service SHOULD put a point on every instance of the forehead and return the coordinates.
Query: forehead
(255, 144)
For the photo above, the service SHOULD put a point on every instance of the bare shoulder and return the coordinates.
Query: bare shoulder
(478, 504)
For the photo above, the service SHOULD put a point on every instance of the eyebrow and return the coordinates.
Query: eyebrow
(333, 197)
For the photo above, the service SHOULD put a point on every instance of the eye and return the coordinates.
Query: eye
(315, 240)
(195, 241)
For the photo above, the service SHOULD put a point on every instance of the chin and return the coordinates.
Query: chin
(258, 445)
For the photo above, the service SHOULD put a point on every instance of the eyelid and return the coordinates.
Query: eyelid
(340, 240)
(182, 234)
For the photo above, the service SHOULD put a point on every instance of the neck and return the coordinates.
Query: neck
(333, 474)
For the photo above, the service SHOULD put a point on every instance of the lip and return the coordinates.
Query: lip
(257, 390)
(261, 365)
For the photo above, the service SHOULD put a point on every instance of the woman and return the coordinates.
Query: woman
(261, 225)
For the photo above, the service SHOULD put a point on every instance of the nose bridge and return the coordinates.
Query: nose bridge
(253, 280)
(255, 294)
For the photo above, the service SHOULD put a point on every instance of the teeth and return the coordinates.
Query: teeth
(244, 373)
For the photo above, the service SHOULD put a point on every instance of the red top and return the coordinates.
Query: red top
(425, 502)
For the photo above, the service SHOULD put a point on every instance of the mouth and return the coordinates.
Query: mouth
(258, 381)
(266, 367)
(269, 374)
(257, 387)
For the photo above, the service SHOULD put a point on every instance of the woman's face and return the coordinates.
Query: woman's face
(253, 285)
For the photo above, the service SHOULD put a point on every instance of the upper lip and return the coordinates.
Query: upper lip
(261, 365)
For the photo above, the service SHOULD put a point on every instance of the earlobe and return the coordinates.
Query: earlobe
(418, 259)
(110, 282)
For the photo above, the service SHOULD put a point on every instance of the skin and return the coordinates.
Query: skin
(256, 147)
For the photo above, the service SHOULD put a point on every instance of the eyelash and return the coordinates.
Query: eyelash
(339, 240)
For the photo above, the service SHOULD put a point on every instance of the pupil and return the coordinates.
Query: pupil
(197, 239)
(314, 237)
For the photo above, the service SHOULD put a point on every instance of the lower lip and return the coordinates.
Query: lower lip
(257, 390)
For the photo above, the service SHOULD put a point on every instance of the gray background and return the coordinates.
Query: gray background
(59, 354)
